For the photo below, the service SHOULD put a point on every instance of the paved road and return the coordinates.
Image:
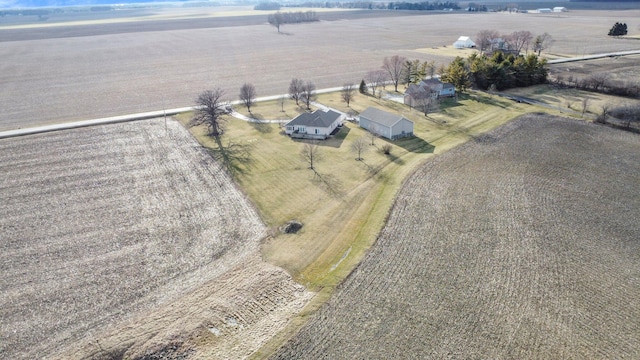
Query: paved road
(595, 56)
(143, 116)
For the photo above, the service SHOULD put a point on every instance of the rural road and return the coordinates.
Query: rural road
(141, 116)
(595, 56)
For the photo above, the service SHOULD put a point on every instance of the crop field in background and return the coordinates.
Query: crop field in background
(139, 66)
(521, 244)
(102, 224)
(121, 244)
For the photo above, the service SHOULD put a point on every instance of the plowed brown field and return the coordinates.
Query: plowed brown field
(522, 244)
(99, 225)
(100, 70)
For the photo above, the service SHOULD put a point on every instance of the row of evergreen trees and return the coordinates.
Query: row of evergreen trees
(497, 72)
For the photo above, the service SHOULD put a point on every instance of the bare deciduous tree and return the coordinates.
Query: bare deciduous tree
(248, 95)
(295, 89)
(276, 20)
(485, 38)
(394, 66)
(542, 42)
(348, 92)
(520, 40)
(597, 81)
(308, 94)
(428, 101)
(375, 79)
(373, 134)
(359, 146)
(311, 154)
(210, 106)
(585, 104)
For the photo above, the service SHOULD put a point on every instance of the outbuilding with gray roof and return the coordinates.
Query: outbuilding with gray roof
(388, 125)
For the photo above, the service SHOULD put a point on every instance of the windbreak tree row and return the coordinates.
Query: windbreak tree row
(497, 72)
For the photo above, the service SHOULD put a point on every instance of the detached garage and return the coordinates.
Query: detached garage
(390, 126)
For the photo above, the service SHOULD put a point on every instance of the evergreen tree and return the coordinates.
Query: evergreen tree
(363, 87)
(457, 74)
(618, 29)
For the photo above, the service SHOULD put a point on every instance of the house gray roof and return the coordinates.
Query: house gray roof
(414, 90)
(431, 82)
(381, 117)
(317, 119)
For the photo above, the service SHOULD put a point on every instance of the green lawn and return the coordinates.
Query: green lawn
(344, 204)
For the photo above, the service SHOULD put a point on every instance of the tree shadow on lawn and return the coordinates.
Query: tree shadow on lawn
(415, 145)
(329, 183)
(262, 127)
(235, 158)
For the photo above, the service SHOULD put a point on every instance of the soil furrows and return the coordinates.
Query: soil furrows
(485, 255)
(132, 216)
(227, 318)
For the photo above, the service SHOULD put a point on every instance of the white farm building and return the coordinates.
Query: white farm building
(464, 42)
(382, 123)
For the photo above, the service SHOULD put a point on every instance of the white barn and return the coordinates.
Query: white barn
(390, 126)
(464, 42)
(559, 9)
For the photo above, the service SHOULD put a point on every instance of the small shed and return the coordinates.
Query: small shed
(382, 123)
(464, 42)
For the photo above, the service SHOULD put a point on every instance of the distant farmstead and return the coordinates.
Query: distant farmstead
(433, 88)
(464, 42)
(382, 123)
(316, 125)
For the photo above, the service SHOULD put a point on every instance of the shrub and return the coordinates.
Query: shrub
(386, 149)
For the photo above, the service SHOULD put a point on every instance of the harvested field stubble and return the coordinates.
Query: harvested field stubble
(142, 66)
(101, 223)
(521, 244)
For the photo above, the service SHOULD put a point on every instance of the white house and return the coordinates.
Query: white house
(316, 125)
(559, 9)
(464, 42)
(390, 126)
(429, 88)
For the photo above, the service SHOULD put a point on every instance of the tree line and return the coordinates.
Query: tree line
(425, 5)
(601, 83)
(515, 42)
(497, 72)
(281, 18)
